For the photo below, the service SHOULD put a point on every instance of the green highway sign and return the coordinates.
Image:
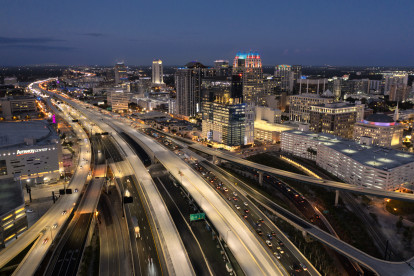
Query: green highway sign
(197, 216)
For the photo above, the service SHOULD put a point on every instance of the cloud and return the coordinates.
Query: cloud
(94, 34)
(38, 47)
(21, 40)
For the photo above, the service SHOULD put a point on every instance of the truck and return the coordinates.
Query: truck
(136, 227)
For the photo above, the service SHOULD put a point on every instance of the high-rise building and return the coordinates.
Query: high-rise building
(398, 92)
(121, 74)
(226, 119)
(394, 78)
(188, 87)
(157, 73)
(299, 109)
(249, 67)
(288, 76)
(335, 118)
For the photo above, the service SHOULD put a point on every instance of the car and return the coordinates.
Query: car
(218, 187)
(29, 211)
(245, 216)
(45, 240)
(235, 198)
(296, 267)
(237, 206)
(280, 250)
(245, 203)
(269, 236)
(225, 189)
(261, 220)
(234, 193)
(269, 243)
(63, 212)
(277, 255)
(55, 226)
(229, 198)
(258, 224)
(304, 267)
(273, 233)
(259, 232)
(280, 243)
(76, 190)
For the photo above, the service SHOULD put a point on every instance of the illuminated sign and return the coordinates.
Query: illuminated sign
(30, 151)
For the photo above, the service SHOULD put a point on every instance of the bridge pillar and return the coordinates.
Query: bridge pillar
(336, 198)
(260, 177)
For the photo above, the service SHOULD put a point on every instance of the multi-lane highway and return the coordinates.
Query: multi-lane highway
(163, 228)
(251, 254)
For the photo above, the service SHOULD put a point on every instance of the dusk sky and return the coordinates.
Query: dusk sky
(88, 32)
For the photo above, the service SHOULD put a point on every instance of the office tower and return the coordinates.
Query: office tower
(188, 87)
(249, 67)
(381, 130)
(300, 105)
(226, 120)
(335, 118)
(398, 92)
(288, 76)
(120, 73)
(394, 78)
(157, 73)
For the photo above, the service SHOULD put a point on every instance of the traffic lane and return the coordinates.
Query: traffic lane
(288, 259)
(193, 250)
(147, 251)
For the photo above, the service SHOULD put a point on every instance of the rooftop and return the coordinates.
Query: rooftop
(372, 156)
(263, 125)
(14, 133)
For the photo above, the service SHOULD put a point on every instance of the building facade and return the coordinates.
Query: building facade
(188, 86)
(382, 130)
(361, 165)
(121, 74)
(119, 100)
(17, 106)
(335, 118)
(157, 72)
(299, 109)
(249, 67)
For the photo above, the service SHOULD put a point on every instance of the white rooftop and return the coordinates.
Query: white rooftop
(14, 133)
(373, 156)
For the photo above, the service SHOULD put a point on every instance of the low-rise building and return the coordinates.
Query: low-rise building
(382, 130)
(17, 106)
(354, 163)
(299, 108)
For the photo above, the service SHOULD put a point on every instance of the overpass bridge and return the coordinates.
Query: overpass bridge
(217, 154)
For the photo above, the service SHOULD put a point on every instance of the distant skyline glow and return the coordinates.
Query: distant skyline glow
(377, 33)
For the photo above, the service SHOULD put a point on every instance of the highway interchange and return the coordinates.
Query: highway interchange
(238, 227)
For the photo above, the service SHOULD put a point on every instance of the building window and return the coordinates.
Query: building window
(3, 167)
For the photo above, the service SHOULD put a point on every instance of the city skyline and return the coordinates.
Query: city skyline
(371, 33)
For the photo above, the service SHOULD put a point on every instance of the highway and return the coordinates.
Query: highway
(43, 227)
(304, 178)
(251, 254)
(173, 249)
